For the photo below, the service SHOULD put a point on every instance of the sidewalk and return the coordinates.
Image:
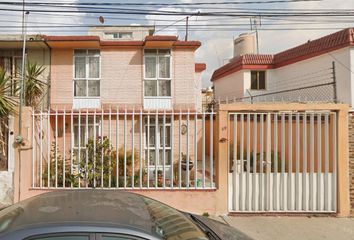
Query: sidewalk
(293, 228)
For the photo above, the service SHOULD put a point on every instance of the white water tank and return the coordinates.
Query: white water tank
(244, 44)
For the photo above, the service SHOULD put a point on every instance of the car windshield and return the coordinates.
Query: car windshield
(171, 224)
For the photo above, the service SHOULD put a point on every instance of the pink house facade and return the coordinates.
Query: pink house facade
(155, 72)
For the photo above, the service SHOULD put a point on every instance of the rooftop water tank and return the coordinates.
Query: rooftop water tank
(244, 44)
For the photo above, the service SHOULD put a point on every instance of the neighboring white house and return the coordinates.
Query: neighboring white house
(319, 70)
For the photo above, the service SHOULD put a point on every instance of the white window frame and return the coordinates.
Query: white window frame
(87, 79)
(158, 145)
(83, 124)
(265, 80)
(157, 78)
(111, 35)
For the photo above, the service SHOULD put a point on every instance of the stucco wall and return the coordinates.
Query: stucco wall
(311, 72)
(122, 78)
(230, 86)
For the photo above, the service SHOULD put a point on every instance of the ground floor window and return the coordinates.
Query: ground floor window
(84, 128)
(158, 141)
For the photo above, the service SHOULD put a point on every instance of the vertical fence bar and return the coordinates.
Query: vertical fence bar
(117, 147)
(79, 149)
(41, 137)
(86, 149)
(268, 160)
(180, 149)
(319, 162)
(195, 150)
(275, 165)
(187, 150)
(254, 168)
(211, 172)
(282, 179)
(157, 147)
(297, 164)
(203, 148)
(241, 200)
(64, 146)
(290, 163)
(148, 149)
(110, 143)
(33, 149)
(71, 144)
(334, 170)
(312, 160)
(102, 135)
(133, 149)
(326, 206)
(94, 148)
(248, 132)
(125, 147)
(304, 164)
(261, 162)
(235, 164)
(141, 148)
(172, 147)
(56, 148)
(164, 150)
(48, 148)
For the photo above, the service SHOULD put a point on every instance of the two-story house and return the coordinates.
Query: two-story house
(118, 83)
(318, 70)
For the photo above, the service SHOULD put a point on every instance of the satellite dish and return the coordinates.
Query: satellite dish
(101, 19)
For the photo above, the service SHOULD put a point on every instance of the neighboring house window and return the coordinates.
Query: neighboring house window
(156, 142)
(157, 76)
(12, 66)
(87, 73)
(258, 80)
(120, 35)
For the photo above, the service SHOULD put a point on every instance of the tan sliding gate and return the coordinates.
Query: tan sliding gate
(282, 161)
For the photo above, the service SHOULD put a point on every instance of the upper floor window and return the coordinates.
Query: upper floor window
(119, 35)
(258, 80)
(87, 73)
(157, 72)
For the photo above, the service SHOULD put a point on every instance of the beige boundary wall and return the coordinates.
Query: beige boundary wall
(200, 201)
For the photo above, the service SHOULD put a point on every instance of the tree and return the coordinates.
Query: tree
(7, 102)
(34, 87)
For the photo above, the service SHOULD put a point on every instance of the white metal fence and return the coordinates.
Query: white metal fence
(123, 149)
(283, 161)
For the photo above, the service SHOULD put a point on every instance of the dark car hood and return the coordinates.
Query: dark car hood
(223, 230)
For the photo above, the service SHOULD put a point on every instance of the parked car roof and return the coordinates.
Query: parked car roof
(116, 209)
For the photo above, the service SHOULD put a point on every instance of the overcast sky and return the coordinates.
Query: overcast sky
(217, 45)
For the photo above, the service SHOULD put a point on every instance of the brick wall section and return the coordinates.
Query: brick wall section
(62, 77)
(351, 161)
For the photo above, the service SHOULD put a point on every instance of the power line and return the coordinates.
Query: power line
(175, 13)
(164, 4)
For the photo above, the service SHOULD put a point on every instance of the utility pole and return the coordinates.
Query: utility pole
(19, 138)
(255, 22)
(186, 38)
